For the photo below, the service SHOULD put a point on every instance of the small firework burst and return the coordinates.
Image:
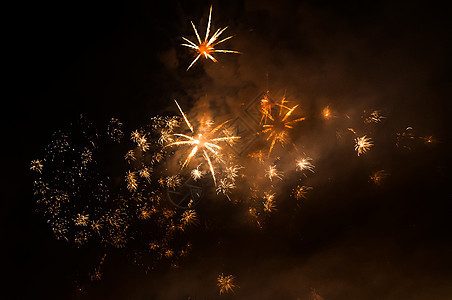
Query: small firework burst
(378, 177)
(225, 283)
(189, 217)
(428, 139)
(114, 130)
(130, 156)
(232, 172)
(269, 202)
(172, 181)
(327, 113)
(363, 144)
(135, 136)
(258, 155)
(305, 164)
(143, 143)
(277, 125)
(301, 191)
(145, 173)
(196, 174)
(36, 165)
(131, 181)
(225, 186)
(81, 220)
(207, 47)
(272, 172)
(374, 117)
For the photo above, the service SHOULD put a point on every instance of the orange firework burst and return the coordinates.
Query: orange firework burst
(204, 141)
(225, 283)
(278, 125)
(207, 47)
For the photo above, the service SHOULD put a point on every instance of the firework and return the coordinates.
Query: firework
(189, 217)
(207, 47)
(378, 176)
(326, 113)
(428, 139)
(232, 172)
(269, 202)
(114, 130)
(196, 174)
(277, 125)
(305, 164)
(36, 165)
(272, 172)
(363, 144)
(225, 186)
(131, 181)
(205, 141)
(374, 117)
(301, 191)
(225, 283)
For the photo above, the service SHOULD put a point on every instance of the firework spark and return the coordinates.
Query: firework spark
(277, 125)
(363, 144)
(207, 47)
(205, 142)
(225, 283)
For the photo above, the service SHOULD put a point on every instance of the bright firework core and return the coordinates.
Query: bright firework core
(205, 142)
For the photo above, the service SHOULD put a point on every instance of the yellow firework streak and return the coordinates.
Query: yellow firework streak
(206, 142)
(207, 47)
(277, 126)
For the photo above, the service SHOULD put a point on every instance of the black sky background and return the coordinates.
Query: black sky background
(348, 240)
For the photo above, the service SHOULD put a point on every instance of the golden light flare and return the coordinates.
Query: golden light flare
(207, 47)
(277, 125)
(205, 141)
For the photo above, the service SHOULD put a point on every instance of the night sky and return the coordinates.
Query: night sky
(349, 239)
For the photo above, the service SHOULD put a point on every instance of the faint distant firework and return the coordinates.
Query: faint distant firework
(83, 205)
(378, 177)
